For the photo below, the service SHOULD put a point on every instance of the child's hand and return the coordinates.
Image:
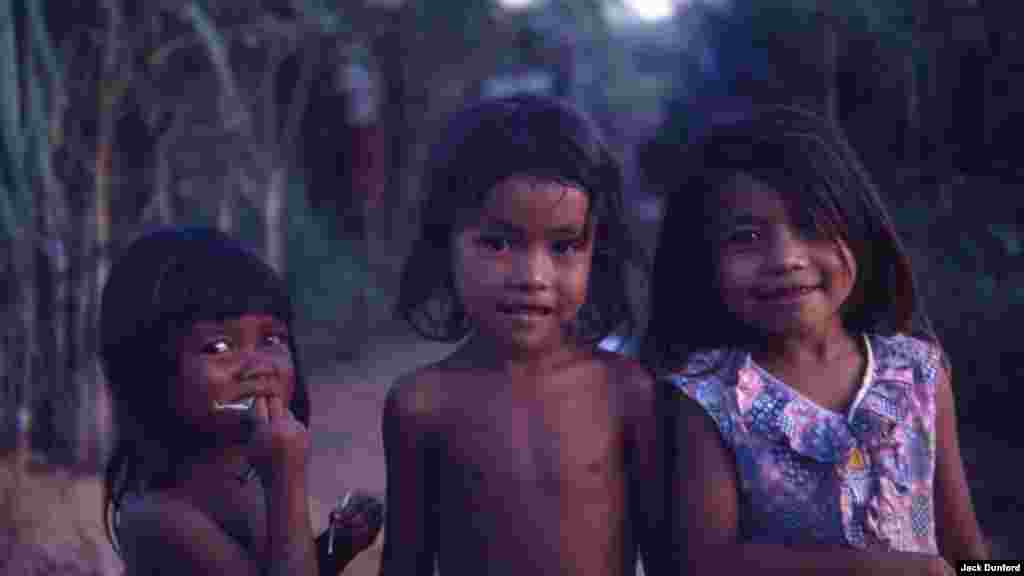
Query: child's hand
(353, 526)
(937, 566)
(358, 520)
(279, 444)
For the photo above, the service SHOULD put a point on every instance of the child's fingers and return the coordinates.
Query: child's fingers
(275, 407)
(259, 410)
(360, 508)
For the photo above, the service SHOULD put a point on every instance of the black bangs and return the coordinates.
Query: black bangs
(158, 287)
(484, 144)
(808, 161)
(520, 136)
(799, 166)
(215, 283)
(171, 278)
(168, 280)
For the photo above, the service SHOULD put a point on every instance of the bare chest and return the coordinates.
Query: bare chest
(542, 442)
(545, 472)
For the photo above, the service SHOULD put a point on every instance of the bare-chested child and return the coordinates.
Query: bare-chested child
(210, 471)
(528, 450)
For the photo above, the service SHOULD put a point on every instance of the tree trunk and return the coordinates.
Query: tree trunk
(25, 329)
(162, 195)
(111, 91)
(226, 212)
(273, 217)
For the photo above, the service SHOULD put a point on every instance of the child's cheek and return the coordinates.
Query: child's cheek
(474, 271)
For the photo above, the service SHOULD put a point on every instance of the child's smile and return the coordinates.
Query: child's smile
(777, 273)
(522, 268)
(226, 365)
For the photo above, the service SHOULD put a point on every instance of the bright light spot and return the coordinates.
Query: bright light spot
(652, 10)
(515, 4)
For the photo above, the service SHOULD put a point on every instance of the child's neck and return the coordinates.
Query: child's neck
(210, 481)
(805, 349)
(827, 368)
(482, 353)
(214, 468)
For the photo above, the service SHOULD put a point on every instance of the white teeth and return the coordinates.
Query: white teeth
(243, 405)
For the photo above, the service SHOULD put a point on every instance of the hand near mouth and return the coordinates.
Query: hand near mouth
(242, 405)
(279, 446)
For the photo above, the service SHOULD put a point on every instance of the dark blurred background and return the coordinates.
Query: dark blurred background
(300, 126)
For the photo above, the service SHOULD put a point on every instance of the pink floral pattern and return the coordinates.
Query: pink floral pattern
(811, 475)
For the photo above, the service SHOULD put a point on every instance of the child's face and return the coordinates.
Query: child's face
(522, 267)
(230, 361)
(776, 273)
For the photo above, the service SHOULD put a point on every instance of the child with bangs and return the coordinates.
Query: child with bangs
(528, 450)
(209, 473)
(815, 421)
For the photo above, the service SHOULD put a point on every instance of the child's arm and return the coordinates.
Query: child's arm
(648, 481)
(166, 535)
(410, 530)
(705, 529)
(957, 527)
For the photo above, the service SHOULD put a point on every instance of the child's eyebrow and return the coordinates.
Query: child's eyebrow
(565, 231)
(742, 219)
(491, 222)
(558, 231)
(208, 325)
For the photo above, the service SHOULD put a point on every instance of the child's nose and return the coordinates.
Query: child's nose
(258, 363)
(787, 253)
(533, 271)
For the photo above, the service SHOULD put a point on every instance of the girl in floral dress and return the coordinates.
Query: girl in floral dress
(815, 429)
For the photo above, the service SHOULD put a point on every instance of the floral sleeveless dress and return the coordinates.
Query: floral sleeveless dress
(810, 475)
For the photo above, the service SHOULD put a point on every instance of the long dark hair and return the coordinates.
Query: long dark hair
(485, 143)
(808, 160)
(158, 288)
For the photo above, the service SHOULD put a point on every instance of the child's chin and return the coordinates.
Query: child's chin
(787, 327)
(531, 342)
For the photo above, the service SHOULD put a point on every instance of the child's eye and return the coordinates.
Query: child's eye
(742, 236)
(811, 230)
(277, 339)
(567, 247)
(216, 346)
(494, 243)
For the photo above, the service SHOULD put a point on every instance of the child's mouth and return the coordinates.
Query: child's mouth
(241, 405)
(525, 310)
(785, 293)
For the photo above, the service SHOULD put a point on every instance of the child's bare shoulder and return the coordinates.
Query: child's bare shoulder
(143, 512)
(631, 375)
(161, 524)
(416, 393)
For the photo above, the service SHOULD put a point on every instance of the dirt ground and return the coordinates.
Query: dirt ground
(60, 515)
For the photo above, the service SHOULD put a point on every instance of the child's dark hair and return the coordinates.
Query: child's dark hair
(495, 139)
(810, 163)
(158, 288)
